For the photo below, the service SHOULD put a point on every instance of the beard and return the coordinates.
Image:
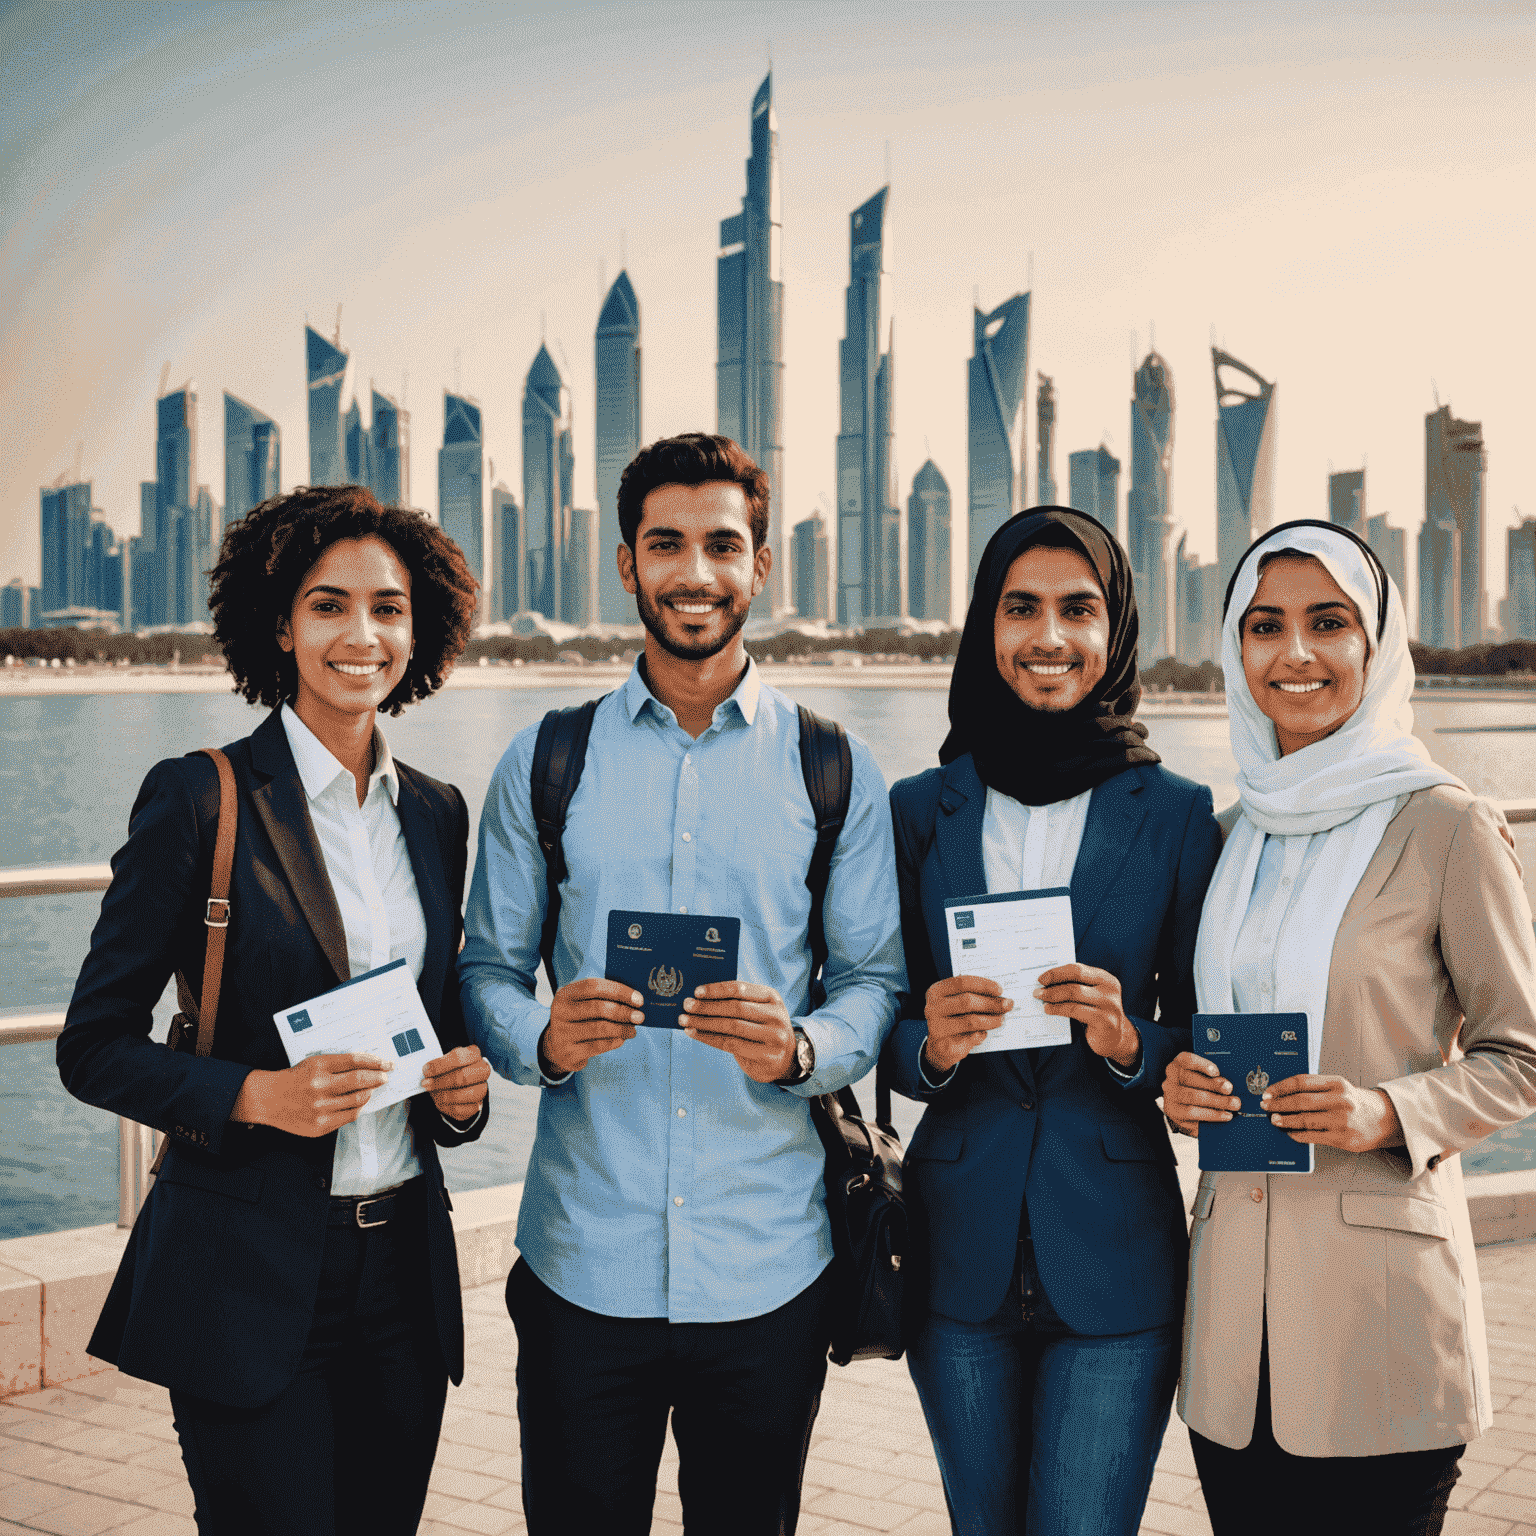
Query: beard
(652, 616)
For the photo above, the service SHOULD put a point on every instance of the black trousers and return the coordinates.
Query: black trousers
(347, 1447)
(1263, 1490)
(593, 1393)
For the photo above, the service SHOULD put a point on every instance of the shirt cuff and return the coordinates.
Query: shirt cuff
(1122, 1074)
(922, 1070)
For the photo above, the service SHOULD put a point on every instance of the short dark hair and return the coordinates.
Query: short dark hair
(264, 557)
(693, 458)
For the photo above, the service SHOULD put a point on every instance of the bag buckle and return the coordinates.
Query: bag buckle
(208, 917)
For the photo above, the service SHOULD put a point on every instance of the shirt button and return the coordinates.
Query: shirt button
(677, 1199)
(687, 758)
(682, 1114)
(1257, 1196)
(682, 909)
(687, 837)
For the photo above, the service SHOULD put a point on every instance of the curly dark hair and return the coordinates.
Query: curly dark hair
(264, 557)
(693, 458)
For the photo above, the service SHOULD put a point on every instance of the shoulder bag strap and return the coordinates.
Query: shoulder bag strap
(216, 913)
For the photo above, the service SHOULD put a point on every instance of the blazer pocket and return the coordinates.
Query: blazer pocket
(1398, 1213)
(1205, 1198)
(242, 1183)
(1126, 1143)
(937, 1141)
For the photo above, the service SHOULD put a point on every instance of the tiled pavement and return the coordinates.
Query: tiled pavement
(99, 1454)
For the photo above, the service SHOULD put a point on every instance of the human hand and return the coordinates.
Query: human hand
(1333, 1112)
(1092, 998)
(458, 1082)
(585, 1019)
(1190, 1095)
(960, 1010)
(746, 1019)
(313, 1098)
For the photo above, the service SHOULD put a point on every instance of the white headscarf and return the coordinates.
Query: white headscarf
(1345, 785)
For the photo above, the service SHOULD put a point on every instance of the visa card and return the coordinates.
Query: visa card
(665, 955)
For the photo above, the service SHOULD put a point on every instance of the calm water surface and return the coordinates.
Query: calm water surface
(70, 767)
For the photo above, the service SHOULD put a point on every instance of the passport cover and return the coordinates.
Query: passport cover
(665, 955)
(1253, 1050)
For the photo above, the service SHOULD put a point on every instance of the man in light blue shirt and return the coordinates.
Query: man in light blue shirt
(673, 1230)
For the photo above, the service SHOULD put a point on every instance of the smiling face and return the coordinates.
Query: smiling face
(349, 629)
(1051, 631)
(693, 570)
(1305, 651)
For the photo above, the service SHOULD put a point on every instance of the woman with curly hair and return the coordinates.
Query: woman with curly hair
(292, 1276)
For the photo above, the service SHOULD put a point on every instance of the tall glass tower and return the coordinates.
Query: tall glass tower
(390, 451)
(618, 436)
(928, 526)
(868, 513)
(252, 458)
(1455, 468)
(996, 377)
(359, 446)
(1521, 568)
(326, 365)
(64, 513)
(1149, 505)
(461, 481)
(1045, 442)
(808, 567)
(506, 553)
(1245, 460)
(1346, 500)
(175, 502)
(548, 466)
(1093, 486)
(749, 372)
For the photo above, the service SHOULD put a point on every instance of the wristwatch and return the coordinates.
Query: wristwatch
(805, 1062)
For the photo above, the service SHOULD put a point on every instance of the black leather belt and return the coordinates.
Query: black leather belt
(372, 1210)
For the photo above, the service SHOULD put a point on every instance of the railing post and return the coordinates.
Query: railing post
(136, 1148)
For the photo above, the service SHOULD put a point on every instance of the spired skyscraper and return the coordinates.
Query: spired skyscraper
(1045, 442)
(1093, 486)
(869, 553)
(1455, 468)
(928, 530)
(252, 458)
(326, 366)
(177, 592)
(389, 454)
(1245, 461)
(996, 377)
(1149, 505)
(749, 373)
(618, 437)
(548, 468)
(461, 481)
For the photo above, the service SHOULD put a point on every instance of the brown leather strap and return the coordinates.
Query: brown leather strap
(216, 913)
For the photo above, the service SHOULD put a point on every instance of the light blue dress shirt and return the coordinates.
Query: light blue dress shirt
(664, 1182)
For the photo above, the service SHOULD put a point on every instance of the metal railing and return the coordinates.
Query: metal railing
(137, 1144)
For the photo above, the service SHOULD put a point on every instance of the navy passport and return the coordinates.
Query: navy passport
(1253, 1050)
(665, 955)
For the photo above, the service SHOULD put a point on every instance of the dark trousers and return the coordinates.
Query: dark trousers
(1263, 1490)
(593, 1393)
(348, 1446)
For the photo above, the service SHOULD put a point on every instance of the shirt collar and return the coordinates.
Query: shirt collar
(637, 695)
(318, 767)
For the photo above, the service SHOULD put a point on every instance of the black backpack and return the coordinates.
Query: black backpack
(863, 1170)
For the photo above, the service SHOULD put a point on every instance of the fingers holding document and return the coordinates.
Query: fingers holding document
(1194, 1090)
(314, 1097)
(960, 1010)
(458, 1082)
(586, 1019)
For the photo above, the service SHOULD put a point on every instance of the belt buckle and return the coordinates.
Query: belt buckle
(383, 1221)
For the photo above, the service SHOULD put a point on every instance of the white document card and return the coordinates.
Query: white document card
(1010, 938)
(379, 1012)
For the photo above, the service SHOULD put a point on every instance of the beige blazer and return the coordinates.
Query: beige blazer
(1365, 1268)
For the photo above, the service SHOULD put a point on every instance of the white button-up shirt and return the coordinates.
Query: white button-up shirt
(1031, 847)
(370, 872)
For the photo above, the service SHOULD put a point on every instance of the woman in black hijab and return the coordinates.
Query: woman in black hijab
(1046, 1346)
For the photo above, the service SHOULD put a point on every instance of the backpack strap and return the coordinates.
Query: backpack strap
(559, 755)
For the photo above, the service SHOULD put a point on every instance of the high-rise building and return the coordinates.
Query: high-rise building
(1520, 620)
(749, 372)
(461, 479)
(1198, 603)
(1149, 505)
(358, 446)
(618, 436)
(578, 579)
(1346, 500)
(1093, 485)
(15, 605)
(996, 377)
(1455, 469)
(1440, 582)
(1245, 460)
(1045, 442)
(177, 546)
(868, 513)
(1388, 542)
(326, 366)
(65, 528)
(928, 533)
(808, 567)
(548, 467)
(390, 451)
(252, 458)
(506, 573)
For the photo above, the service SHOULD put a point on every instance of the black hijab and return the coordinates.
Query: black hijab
(1039, 756)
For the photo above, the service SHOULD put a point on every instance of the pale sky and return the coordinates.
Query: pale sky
(1343, 191)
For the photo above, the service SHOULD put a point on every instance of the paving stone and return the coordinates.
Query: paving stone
(1505, 1506)
(863, 1514)
(1460, 1522)
(22, 1498)
(924, 1523)
(82, 1514)
(859, 1481)
(27, 1458)
(111, 1444)
(1516, 1480)
(484, 1518)
(463, 1485)
(158, 1525)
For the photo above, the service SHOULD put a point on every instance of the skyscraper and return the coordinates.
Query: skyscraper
(359, 446)
(15, 605)
(390, 451)
(1440, 582)
(1198, 608)
(64, 513)
(578, 578)
(1455, 467)
(252, 458)
(1522, 582)
(506, 554)
(618, 436)
(1245, 461)
(548, 465)
(749, 376)
(1388, 543)
(1346, 500)
(461, 479)
(868, 514)
(1093, 486)
(177, 545)
(326, 366)
(996, 377)
(809, 568)
(928, 534)
(1045, 442)
(1149, 505)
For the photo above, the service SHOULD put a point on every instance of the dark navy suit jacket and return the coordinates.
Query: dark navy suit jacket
(217, 1286)
(1053, 1128)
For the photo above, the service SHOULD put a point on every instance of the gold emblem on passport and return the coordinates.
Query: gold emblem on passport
(667, 981)
(634, 930)
(1257, 1080)
(711, 935)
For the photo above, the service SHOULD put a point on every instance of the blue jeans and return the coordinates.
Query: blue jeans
(1039, 1430)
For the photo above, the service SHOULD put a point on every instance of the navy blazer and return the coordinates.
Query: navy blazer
(216, 1290)
(1053, 1128)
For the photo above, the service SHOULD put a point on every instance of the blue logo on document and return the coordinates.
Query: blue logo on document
(967, 943)
(965, 919)
(408, 1043)
(299, 1020)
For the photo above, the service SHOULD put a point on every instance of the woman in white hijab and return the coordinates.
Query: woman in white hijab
(1334, 1356)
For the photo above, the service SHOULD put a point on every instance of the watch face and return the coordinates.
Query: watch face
(805, 1055)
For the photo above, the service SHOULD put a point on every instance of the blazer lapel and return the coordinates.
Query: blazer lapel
(1114, 815)
(284, 811)
(421, 841)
